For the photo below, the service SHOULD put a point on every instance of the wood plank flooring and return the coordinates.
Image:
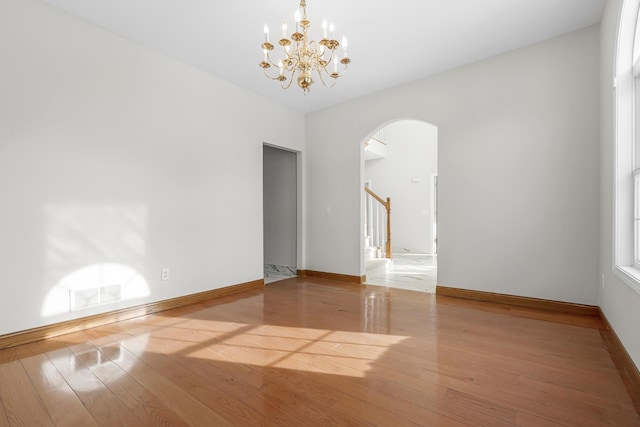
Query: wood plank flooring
(309, 351)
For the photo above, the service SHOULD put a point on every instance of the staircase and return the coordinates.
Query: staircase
(374, 262)
(377, 223)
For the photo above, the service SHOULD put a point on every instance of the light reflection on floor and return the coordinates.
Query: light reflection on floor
(302, 349)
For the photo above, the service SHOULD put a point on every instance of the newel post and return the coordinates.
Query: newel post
(388, 246)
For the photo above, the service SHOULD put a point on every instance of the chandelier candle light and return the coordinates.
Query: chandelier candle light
(302, 57)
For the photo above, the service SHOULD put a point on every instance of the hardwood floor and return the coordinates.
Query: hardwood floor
(309, 351)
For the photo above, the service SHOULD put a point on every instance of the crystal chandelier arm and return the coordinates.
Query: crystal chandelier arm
(325, 83)
(333, 59)
(322, 64)
(286, 86)
(267, 62)
(286, 66)
(335, 74)
(268, 76)
(281, 76)
(282, 79)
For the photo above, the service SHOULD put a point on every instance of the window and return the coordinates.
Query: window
(636, 239)
(627, 147)
(636, 141)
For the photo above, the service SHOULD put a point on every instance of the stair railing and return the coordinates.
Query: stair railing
(387, 205)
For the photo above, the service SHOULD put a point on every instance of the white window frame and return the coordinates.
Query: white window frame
(627, 133)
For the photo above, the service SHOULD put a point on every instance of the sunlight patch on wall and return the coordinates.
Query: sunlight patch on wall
(94, 255)
(95, 285)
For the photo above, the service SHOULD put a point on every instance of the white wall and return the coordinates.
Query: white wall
(111, 153)
(620, 304)
(412, 149)
(280, 207)
(518, 171)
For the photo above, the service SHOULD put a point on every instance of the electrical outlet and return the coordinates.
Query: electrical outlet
(164, 274)
(602, 282)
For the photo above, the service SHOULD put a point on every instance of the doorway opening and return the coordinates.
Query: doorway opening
(280, 213)
(399, 212)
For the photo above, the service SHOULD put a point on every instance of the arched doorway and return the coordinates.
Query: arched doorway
(400, 166)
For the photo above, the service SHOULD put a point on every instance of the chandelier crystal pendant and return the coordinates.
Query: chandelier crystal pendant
(303, 57)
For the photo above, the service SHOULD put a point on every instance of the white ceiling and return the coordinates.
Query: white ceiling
(390, 42)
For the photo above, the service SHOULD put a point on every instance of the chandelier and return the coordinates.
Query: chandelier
(303, 57)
